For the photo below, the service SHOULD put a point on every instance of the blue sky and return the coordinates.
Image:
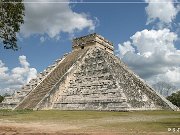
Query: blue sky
(137, 30)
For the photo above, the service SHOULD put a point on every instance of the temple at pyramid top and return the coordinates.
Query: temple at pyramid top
(92, 40)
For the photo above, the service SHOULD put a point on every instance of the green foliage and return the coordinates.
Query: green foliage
(175, 98)
(11, 17)
(1, 98)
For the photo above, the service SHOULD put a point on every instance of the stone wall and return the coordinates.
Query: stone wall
(100, 81)
(93, 80)
(92, 40)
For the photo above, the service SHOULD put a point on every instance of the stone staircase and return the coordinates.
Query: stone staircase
(12, 101)
(38, 93)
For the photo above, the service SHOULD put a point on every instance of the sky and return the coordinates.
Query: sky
(145, 34)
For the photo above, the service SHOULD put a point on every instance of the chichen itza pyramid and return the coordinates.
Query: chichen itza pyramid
(90, 77)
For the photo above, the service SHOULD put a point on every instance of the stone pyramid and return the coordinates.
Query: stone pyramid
(91, 77)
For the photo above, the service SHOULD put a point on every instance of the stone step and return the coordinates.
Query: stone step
(38, 93)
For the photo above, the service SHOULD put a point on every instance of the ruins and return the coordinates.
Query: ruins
(90, 77)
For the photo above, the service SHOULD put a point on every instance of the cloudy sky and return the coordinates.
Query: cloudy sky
(145, 33)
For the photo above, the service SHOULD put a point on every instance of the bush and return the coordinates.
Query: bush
(1, 98)
(175, 98)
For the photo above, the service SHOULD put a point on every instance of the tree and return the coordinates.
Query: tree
(175, 98)
(11, 17)
(1, 98)
(164, 88)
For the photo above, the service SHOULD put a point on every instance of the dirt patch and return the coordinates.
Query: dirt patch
(60, 129)
(13, 130)
(35, 127)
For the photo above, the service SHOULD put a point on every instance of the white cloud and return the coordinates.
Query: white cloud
(163, 11)
(154, 40)
(155, 58)
(15, 78)
(53, 18)
(171, 76)
(23, 61)
(3, 69)
(42, 39)
(125, 47)
(174, 74)
(152, 53)
(31, 74)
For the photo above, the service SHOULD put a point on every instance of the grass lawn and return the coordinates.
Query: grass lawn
(91, 122)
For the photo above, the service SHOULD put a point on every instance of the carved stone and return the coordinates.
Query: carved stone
(88, 78)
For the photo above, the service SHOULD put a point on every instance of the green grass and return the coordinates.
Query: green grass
(29, 115)
(160, 124)
(135, 126)
(6, 112)
(170, 122)
(146, 126)
(142, 121)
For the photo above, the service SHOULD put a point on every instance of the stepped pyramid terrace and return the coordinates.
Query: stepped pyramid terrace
(90, 77)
